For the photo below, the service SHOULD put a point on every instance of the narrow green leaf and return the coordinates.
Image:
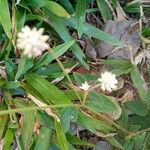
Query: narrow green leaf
(137, 107)
(79, 78)
(8, 138)
(92, 124)
(63, 144)
(47, 57)
(114, 142)
(76, 141)
(92, 31)
(56, 9)
(67, 5)
(133, 8)
(48, 90)
(55, 68)
(24, 65)
(117, 63)
(20, 18)
(60, 25)
(27, 129)
(100, 103)
(5, 17)
(43, 141)
(138, 82)
(104, 9)
(80, 16)
(3, 120)
(36, 3)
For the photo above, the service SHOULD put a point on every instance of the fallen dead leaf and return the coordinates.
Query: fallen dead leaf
(128, 32)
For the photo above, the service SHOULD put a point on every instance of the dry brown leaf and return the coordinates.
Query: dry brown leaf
(128, 96)
(1, 144)
(37, 127)
(126, 31)
(102, 135)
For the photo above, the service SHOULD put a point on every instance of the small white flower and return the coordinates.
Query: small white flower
(85, 86)
(108, 81)
(32, 41)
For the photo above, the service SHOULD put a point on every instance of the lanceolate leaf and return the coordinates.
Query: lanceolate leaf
(43, 141)
(104, 9)
(80, 15)
(59, 25)
(47, 57)
(48, 90)
(138, 82)
(61, 136)
(56, 9)
(92, 124)
(27, 129)
(5, 17)
(96, 33)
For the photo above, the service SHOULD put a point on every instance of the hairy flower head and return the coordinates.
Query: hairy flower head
(108, 81)
(32, 41)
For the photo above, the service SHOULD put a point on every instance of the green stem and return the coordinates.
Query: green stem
(64, 71)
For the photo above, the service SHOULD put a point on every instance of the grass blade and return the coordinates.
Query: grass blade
(5, 17)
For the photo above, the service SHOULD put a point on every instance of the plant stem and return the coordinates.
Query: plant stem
(66, 74)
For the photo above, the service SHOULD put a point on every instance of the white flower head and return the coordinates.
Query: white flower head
(85, 86)
(32, 41)
(108, 81)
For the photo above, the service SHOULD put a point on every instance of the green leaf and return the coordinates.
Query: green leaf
(11, 85)
(76, 141)
(47, 89)
(37, 3)
(24, 65)
(117, 63)
(138, 82)
(56, 9)
(79, 79)
(68, 115)
(67, 5)
(47, 57)
(43, 141)
(146, 32)
(123, 120)
(8, 138)
(137, 107)
(80, 16)
(104, 9)
(92, 31)
(27, 129)
(3, 120)
(20, 18)
(133, 8)
(121, 66)
(100, 103)
(5, 17)
(147, 97)
(63, 144)
(60, 25)
(114, 142)
(92, 124)
(55, 68)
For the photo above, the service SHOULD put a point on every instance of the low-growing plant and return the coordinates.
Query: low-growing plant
(42, 98)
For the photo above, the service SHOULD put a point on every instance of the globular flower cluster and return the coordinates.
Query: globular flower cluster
(107, 81)
(32, 41)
